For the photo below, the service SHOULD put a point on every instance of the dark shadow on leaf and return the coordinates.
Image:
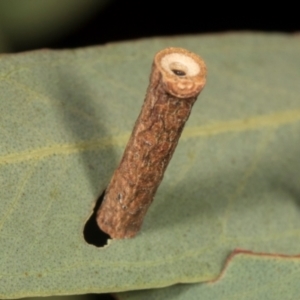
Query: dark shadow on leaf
(84, 121)
(92, 233)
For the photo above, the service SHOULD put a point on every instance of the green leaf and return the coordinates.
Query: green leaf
(233, 182)
(248, 277)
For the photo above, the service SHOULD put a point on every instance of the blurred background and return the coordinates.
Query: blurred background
(33, 24)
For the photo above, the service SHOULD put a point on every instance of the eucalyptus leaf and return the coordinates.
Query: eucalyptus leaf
(247, 277)
(233, 182)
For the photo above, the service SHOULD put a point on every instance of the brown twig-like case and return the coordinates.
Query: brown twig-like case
(177, 78)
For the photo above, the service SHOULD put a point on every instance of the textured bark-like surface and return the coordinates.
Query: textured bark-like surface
(177, 78)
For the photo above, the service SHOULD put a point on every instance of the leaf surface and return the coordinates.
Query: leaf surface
(247, 277)
(233, 182)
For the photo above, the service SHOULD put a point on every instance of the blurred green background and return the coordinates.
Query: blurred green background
(33, 24)
(30, 24)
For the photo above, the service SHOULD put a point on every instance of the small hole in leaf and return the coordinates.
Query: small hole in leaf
(178, 72)
(92, 297)
(92, 233)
